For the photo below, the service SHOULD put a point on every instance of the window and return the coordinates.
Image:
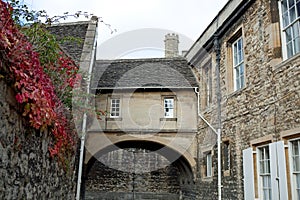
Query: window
(169, 107)
(264, 173)
(207, 80)
(115, 108)
(295, 155)
(290, 12)
(238, 64)
(208, 165)
(226, 153)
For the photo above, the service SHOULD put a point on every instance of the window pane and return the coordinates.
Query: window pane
(292, 14)
(298, 8)
(285, 19)
(284, 6)
(291, 3)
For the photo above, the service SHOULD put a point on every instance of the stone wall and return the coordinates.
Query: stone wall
(26, 170)
(121, 175)
(268, 104)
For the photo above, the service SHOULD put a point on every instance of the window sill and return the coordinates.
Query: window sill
(287, 61)
(168, 119)
(114, 119)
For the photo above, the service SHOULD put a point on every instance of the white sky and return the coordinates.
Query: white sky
(188, 18)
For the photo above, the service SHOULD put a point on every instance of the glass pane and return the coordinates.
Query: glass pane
(298, 181)
(284, 6)
(288, 34)
(291, 3)
(298, 9)
(295, 30)
(285, 17)
(297, 45)
(295, 149)
(267, 166)
(289, 48)
(262, 167)
(292, 14)
(296, 161)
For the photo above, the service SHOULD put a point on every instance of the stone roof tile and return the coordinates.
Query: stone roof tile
(143, 73)
(77, 30)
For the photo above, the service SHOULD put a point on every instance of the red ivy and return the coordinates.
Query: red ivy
(35, 90)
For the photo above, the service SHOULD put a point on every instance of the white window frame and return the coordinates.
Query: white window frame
(115, 107)
(265, 174)
(169, 107)
(238, 64)
(284, 28)
(208, 164)
(295, 194)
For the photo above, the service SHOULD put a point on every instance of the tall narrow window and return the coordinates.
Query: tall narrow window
(296, 167)
(169, 107)
(208, 165)
(264, 172)
(115, 107)
(207, 84)
(226, 155)
(290, 10)
(238, 64)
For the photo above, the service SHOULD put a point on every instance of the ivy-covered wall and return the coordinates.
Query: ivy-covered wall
(26, 169)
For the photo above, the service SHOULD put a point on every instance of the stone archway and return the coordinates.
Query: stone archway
(163, 182)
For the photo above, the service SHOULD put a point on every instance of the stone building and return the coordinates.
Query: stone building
(144, 146)
(247, 63)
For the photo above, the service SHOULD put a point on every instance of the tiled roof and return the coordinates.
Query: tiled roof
(143, 73)
(77, 30)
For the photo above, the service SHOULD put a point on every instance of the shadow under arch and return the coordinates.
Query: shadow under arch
(177, 157)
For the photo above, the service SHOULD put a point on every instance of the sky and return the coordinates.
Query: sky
(140, 24)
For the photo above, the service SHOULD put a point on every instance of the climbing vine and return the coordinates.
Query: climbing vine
(42, 78)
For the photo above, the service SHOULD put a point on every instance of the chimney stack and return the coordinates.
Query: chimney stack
(171, 45)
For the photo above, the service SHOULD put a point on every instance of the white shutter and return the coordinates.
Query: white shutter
(273, 168)
(278, 171)
(282, 171)
(249, 193)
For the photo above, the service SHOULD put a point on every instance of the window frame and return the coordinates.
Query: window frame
(294, 187)
(115, 107)
(207, 84)
(289, 26)
(260, 176)
(208, 167)
(226, 158)
(172, 98)
(238, 63)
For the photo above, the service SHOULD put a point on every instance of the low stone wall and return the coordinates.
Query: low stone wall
(26, 169)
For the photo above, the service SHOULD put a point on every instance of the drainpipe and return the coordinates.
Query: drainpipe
(84, 121)
(218, 93)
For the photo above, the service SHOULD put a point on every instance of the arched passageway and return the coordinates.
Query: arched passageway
(136, 170)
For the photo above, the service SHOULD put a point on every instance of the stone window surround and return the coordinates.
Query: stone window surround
(255, 143)
(229, 62)
(206, 151)
(163, 97)
(227, 142)
(282, 32)
(288, 136)
(207, 100)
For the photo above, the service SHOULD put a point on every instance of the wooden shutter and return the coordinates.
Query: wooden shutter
(278, 171)
(249, 193)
